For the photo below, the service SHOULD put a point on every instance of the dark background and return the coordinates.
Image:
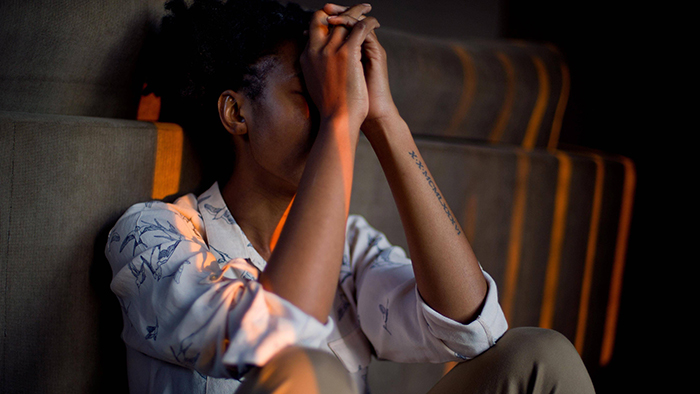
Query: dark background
(619, 104)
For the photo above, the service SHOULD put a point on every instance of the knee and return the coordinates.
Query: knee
(545, 358)
(295, 361)
(532, 360)
(300, 370)
(541, 346)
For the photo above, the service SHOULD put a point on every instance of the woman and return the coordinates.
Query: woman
(214, 293)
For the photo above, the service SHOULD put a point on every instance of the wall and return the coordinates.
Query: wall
(440, 18)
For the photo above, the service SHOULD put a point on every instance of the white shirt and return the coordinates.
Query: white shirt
(195, 317)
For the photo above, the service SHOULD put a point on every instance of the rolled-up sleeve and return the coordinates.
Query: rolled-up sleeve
(183, 306)
(395, 318)
(468, 340)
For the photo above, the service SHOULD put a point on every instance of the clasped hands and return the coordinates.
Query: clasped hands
(345, 66)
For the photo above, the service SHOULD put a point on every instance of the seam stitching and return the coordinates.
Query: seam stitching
(489, 336)
(7, 252)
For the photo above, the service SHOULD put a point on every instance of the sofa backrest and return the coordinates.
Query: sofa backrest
(506, 92)
(74, 57)
(64, 181)
(548, 225)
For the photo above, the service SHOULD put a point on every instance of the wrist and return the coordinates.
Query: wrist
(341, 121)
(382, 120)
(384, 128)
(339, 129)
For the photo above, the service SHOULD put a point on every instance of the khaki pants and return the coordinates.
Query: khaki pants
(525, 360)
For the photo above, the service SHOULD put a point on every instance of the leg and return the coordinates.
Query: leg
(524, 360)
(299, 370)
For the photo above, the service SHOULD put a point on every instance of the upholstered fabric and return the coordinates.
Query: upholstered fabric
(498, 91)
(65, 181)
(549, 226)
(534, 222)
(74, 57)
(82, 58)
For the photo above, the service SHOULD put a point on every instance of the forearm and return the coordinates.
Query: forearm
(305, 264)
(447, 273)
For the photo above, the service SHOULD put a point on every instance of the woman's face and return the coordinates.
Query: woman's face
(284, 123)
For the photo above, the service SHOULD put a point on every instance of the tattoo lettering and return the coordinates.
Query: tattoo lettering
(432, 185)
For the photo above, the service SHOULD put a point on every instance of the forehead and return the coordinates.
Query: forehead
(284, 64)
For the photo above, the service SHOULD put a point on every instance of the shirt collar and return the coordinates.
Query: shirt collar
(224, 235)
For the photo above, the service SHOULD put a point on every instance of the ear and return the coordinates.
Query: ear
(230, 112)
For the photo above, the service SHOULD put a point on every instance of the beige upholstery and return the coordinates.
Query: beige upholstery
(548, 225)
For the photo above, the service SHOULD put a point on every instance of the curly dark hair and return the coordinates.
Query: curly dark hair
(214, 45)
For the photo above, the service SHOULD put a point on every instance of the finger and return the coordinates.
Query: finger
(340, 26)
(371, 40)
(371, 48)
(358, 9)
(334, 9)
(361, 30)
(318, 30)
(344, 20)
(338, 35)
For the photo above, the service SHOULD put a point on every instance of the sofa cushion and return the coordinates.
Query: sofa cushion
(64, 181)
(548, 226)
(509, 92)
(73, 57)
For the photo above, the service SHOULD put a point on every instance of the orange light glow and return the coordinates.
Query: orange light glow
(168, 162)
(347, 159)
(300, 368)
(619, 264)
(561, 106)
(280, 226)
(516, 234)
(561, 204)
(533, 126)
(468, 89)
(149, 108)
(590, 254)
(448, 367)
(509, 97)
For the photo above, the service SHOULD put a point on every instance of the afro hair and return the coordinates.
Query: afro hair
(209, 46)
(213, 45)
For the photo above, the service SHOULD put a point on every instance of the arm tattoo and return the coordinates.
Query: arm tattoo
(432, 185)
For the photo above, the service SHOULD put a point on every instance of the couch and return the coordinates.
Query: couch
(79, 144)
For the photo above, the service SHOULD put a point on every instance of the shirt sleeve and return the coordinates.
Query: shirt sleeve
(395, 318)
(182, 306)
